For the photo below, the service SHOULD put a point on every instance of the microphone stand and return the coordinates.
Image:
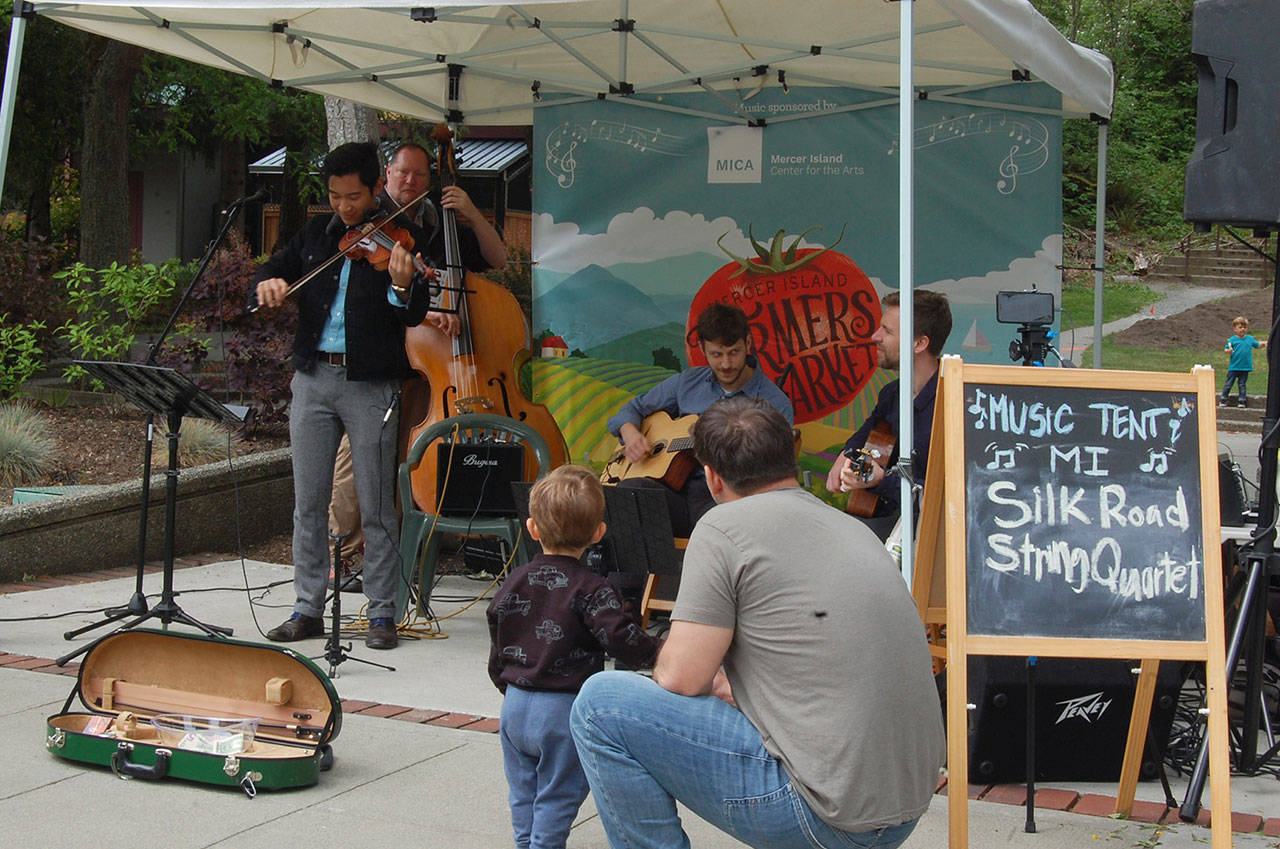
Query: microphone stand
(137, 605)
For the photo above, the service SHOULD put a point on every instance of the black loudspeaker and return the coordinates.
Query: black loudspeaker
(475, 477)
(1082, 718)
(1233, 176)
(1232, 501)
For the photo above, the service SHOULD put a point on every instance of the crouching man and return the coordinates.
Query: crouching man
(793, 702)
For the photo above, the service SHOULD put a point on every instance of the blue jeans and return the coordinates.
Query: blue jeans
(1240, 378)
(544, 778)
(644, 749)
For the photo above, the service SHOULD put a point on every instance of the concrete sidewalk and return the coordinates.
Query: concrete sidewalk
(416, 758)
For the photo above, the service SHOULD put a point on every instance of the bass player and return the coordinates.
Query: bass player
(724, 335)
(932, 314)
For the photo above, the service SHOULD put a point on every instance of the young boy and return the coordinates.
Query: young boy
(1240, 346)
(550, 626)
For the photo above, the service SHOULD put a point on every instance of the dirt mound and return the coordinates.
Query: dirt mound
(1204, 327)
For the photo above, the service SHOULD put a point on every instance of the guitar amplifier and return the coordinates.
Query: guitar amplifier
(474, 478)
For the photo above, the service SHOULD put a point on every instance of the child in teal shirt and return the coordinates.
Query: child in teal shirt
(1241, 347)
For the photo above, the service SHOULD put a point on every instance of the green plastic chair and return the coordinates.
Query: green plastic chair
(420, 532)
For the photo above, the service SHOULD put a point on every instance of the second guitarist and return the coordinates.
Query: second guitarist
(932, 315)
(724, 336)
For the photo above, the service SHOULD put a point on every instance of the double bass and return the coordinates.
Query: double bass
(473, 372)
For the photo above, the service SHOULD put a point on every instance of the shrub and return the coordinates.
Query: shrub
(201, 441)
(27, 449)
(109, 308)
(27, 288)
(20, 354)
(256, 352)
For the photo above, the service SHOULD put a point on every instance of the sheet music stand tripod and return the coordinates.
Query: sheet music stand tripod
(159, 391)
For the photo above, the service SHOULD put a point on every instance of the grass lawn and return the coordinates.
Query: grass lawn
(1121, 299)
(1179, 360)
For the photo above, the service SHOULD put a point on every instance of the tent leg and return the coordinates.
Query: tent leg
(906, 269)
(1099, 243)
(9, 98)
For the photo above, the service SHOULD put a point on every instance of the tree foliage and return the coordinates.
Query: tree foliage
(46, 124)
(1152, 129)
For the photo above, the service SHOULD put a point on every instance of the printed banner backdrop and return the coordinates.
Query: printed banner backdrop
(642, 217)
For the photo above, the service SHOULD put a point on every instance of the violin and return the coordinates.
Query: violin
(367, 242)
(376, 244)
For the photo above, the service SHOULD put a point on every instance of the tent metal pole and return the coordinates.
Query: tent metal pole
(623, 9)
(906, 272)
(1099, 243)
(9, 98)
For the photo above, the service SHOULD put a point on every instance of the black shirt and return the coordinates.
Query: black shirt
(551, 623)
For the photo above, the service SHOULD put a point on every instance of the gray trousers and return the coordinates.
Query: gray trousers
(325, 404)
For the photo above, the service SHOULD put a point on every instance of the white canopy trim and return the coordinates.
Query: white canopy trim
(505, 58)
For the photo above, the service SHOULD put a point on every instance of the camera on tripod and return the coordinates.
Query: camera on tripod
(1034, 312)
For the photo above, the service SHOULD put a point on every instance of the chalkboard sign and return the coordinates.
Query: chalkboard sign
(1063, 517)
(1084, 513)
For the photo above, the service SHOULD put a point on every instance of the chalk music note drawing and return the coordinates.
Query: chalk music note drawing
(1028, 148)
(564, 140)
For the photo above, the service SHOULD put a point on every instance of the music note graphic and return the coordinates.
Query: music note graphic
(1028, 153)
(564, 140)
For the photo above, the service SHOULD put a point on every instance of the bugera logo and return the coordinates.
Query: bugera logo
(477, 460)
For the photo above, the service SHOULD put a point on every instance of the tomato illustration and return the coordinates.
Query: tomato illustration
(812, 313)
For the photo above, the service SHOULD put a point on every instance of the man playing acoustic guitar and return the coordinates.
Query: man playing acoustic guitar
(724, 335)
(880, 481)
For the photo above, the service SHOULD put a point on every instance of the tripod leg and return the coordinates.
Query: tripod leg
(1195, 787)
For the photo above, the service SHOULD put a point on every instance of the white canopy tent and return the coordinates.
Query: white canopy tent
(498, 64)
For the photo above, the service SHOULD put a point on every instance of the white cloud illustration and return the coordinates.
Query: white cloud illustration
(638, 236)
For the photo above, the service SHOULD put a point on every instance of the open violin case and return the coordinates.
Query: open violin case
(163, 704)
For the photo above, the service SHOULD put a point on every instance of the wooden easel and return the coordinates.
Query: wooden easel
(942, 576)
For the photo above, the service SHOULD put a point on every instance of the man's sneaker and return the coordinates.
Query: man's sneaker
(296, 627)
(382, 634)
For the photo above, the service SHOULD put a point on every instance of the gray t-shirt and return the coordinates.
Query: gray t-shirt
(828, 658)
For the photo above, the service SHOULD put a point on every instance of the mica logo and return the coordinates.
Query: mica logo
(734, 154)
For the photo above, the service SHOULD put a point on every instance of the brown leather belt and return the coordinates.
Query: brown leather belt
(331, 358)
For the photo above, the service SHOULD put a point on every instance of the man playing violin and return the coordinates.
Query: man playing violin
(408, 177)
(349, 360)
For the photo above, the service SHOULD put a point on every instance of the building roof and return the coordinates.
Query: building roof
(476, 157)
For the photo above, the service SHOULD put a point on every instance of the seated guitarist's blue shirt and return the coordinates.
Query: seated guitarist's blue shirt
(693, 390)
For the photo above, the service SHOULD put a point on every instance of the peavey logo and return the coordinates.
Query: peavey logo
(1089, 708)
(477, 460)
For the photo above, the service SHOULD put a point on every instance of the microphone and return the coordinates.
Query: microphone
(260, 195)
(395, 400)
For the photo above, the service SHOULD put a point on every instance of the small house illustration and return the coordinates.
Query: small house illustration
(554, 346)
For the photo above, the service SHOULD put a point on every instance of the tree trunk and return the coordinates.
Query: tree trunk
(104, 179)
(350, 121)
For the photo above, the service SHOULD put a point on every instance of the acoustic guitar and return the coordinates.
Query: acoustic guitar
(670, 459)
(877, 449)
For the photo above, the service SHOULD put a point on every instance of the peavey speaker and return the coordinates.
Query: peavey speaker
(1233, 176)
(1082, 718)
(474, 478)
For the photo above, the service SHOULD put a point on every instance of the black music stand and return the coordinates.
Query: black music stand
(159, 391)
(639, 539)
